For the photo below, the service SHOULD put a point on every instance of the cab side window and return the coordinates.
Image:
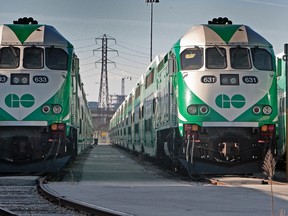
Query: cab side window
(56, 59)
(262, 59)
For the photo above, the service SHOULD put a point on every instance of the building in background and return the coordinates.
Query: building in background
(101, 116)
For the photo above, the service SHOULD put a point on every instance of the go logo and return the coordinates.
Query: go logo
(13, 101)
(224, 101)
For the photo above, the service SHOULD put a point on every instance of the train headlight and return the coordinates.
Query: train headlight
(46, 109)
(192, 109)
(229, 79)
(57, 109)
(16, 80)
(233, 81)
(203, 109)
(24, 80)
(267, 110)
(225, 81)
(20, 79)
(256, 110)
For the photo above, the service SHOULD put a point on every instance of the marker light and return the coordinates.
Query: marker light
(264, 128)
(271, 127)
(45, 109)
(195, 127)
(54, 127)
(256, 110)
(61, 126)
(203, 109)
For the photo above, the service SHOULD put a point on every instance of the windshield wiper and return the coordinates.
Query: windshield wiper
(13, 51)
(219, 51)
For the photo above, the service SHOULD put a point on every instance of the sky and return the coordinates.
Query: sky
(128, 22)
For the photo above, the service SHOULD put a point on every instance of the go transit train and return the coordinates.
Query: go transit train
(44, 118)
(281, 84)
(210, 102)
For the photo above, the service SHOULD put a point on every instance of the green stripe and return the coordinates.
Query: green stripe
(23, 31)
(224, 31)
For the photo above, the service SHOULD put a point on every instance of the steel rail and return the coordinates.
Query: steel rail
(6, 212)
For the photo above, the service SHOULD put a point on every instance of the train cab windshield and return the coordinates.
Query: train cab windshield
(33, 58)
(55, 58)
(216, 58)
(240, 58)
(192, 59)
(9, 57)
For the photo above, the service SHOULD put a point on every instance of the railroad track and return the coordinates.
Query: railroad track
(25, 196)
(242, 180)
(19, 196)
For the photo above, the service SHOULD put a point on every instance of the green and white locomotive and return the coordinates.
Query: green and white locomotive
(44, 118)
(210, 102)
(281, 84)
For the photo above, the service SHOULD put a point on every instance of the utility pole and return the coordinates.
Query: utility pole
(151, 19)
(104, 89)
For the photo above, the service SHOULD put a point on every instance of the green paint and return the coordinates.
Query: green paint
(5, 116)
(23, 31)
(27, 100)
(12, 101)
(238, 101)
(224, 101)
(224, 31)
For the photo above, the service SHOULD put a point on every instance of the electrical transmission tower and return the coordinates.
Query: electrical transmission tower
(104, 89)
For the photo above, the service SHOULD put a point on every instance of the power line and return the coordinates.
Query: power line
(84, 46)
(131, 60)
(137, 51)
(131, 66)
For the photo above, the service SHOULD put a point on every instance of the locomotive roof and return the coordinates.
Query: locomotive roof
(215, 34)
(34, 34)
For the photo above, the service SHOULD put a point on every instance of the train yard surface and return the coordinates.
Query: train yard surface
(109, 177)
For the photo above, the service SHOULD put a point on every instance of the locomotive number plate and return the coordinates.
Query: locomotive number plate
(40, 79)
(208, 79)
(250, 79)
